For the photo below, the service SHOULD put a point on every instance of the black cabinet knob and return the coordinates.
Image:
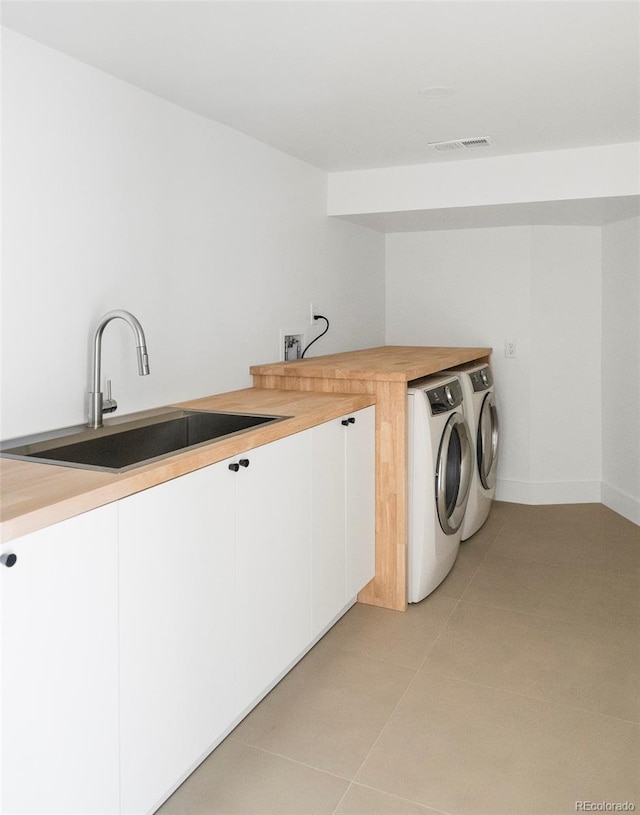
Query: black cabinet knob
(244, 462)
(347, 422)
(8, 560)
(235, 467)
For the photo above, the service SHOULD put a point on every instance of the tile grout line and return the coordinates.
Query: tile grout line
(471, 579)
(411, 681)
(342, 797)
(426, 807)
(444, 627)
(505, 608)
(433, 644)
(293, 760)
(612, 574)
(540, 616)
(540, 563)
(556, 564)
(522, 695)
(406, 690)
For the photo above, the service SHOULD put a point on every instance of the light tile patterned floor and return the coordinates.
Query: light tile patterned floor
(512, 690)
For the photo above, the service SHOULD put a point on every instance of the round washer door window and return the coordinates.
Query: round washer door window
(453, 473)
(487, 442)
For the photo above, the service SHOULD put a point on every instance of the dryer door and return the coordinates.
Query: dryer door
(454, 469)
(487, 442)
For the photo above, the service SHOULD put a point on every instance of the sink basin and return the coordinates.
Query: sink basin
(122, 446)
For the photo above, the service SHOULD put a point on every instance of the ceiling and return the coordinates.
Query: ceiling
(338, 84)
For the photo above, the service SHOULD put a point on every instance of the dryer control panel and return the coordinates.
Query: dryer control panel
(482, 379)
(445, 397)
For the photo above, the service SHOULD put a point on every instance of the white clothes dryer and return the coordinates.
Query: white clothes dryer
(482, 414)
(440, 468)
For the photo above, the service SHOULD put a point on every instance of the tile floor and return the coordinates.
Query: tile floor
(512, 689)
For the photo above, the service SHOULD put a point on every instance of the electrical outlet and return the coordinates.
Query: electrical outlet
(510, 349)
(313, 310)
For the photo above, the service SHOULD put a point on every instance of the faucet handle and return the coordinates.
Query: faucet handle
(109, 405)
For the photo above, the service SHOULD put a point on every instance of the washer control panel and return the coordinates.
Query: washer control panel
(482, 379)
(445, 397)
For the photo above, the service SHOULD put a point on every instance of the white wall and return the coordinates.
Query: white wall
(539, 286)
(114, 198)
(450, 288)
(621, 367)
(565, 443)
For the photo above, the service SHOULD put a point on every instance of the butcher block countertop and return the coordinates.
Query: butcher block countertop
(34, 496)
(390, 363)
(384, 373)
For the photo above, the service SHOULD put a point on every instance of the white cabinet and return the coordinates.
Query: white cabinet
(343, 512)
(59, 669)
(274, 562)
(214, 604)
(360, 496)
(177, 629)
(328, 523)
(136, 635)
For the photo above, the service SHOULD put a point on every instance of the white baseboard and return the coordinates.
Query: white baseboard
(549, 492)
(622, 503)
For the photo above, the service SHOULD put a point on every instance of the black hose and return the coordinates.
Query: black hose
(316, 317)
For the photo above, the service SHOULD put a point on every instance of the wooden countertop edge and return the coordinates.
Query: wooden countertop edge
(35, 496)
(385, 363)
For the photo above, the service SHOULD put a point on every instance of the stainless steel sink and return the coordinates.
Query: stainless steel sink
(126, 444)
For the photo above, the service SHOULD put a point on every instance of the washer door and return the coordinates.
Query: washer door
(487, 442)
(454, 468)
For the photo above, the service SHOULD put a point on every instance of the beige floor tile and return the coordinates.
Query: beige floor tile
(472, 552)
(506, 715)
(470, 750)
(239, 780)
(567, 592)
(456, 582)
(328, 711)
(361, 800)
(502, 509)
(584, 518)
(585, 666)
(588, 535)
(392, 636)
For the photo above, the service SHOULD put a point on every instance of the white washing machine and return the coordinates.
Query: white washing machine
(482, 414)
(440, 459)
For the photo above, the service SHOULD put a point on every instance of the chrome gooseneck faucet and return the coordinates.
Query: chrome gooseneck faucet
(97, 404)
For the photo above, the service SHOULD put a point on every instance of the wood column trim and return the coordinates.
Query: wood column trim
(389, 587)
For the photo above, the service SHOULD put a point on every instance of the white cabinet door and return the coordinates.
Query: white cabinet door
(360, 486)
(274, 562)
(328, 523)
(177, 629)
(59, 669)
(343, 512)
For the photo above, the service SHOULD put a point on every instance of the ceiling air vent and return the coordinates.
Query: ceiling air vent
(459, 144)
